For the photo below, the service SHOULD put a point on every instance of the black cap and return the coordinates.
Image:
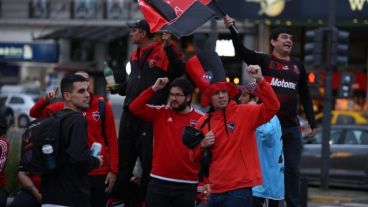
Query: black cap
(141, 24)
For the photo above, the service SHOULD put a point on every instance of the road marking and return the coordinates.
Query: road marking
(329, 199)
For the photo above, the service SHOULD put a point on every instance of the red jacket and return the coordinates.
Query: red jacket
(110, 153)
(235, 162)
(4, 151)
(170, 157)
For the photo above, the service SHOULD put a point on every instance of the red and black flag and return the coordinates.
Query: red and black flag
(205, 68)
(180, 17)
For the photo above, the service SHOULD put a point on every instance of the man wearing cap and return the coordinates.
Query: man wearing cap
(287, 77)
(151, 60)
(229, 132)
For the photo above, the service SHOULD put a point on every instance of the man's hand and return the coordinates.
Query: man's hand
(160, 84)
(51, 95)
(113, 89)
(209, 140)
(313, 132)
(110, 181)
(228, 21)
(100, 158)
(255, 72)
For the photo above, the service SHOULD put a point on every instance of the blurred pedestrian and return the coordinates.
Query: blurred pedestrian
(229, 132)
(288, 79)
(269, 145)
(151, 60)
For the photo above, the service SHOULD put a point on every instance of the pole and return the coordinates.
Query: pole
(328, 101)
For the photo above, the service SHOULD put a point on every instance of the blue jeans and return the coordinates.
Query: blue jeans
(293, 147)
(234, 198)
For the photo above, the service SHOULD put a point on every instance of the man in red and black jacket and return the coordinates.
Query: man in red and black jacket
(288, 79)
(101, 179)
(151, 60)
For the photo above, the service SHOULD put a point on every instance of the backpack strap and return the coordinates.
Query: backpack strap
(102, 109)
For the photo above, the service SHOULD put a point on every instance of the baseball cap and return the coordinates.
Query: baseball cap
(141, 24)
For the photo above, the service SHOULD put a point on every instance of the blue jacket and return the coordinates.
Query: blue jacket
(270, 153)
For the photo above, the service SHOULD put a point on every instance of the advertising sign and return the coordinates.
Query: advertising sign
(33, 52)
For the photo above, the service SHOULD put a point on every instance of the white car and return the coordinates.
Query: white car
(20, 104)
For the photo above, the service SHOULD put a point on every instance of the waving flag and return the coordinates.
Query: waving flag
(205, 68)
(180, 17)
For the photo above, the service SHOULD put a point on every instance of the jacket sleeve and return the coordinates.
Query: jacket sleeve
(176, 63)
(306, 98)
(112, 140)
(270, 105)
(140, 107)
(250, 57)
(38, 110)
(42, 109)
(4, 150)
(77, 146)
(269, 132)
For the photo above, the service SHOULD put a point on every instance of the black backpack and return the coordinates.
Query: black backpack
(42, 132)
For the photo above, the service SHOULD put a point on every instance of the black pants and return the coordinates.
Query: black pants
(3, 196)
(24, 198)
(292, 146)
(162, 193)
(261, 202)
(133, 143)
(98, 197)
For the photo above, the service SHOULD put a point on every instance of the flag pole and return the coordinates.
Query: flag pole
(218, 5)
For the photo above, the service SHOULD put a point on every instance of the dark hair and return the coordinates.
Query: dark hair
(276, 32)
(185, 85)
(144, 26)
(67, 82)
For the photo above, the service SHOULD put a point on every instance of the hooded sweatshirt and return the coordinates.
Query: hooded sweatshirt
(235, 162)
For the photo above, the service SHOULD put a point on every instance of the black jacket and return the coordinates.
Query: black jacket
(70, 186)
(288, 80)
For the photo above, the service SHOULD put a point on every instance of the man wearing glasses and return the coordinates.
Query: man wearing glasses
(173, 177)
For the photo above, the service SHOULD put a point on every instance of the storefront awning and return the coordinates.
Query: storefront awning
(93, 33)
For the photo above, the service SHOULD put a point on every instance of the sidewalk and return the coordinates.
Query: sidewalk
(337, 196)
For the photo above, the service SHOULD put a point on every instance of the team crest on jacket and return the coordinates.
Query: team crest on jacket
(231, 126)
(96, 115)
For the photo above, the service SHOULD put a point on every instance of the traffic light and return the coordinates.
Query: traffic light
(313, 85)
(314, 47)
(312, 78)
(340, 47)
(346, 85)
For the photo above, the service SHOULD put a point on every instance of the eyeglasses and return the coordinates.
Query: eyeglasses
(175, 95)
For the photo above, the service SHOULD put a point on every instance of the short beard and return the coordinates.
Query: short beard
(180, 107)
